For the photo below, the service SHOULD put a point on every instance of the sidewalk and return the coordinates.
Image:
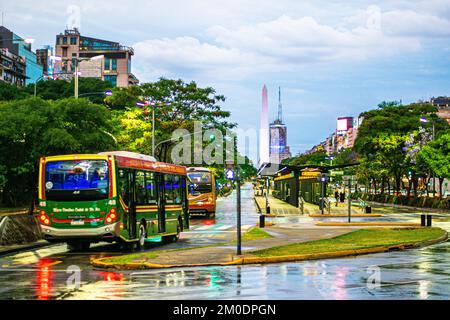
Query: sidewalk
(281, 208)
(277, 207)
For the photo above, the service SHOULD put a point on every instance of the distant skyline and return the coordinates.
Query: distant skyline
(331, 58)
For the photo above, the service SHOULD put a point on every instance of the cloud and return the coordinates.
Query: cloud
(304, 40)
(411, 23)
(289, 44)
(188, 56)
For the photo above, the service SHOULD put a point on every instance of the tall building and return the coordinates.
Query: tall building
(44, 59)
(279, 149)
(17, 46)
(115, 67)
(264, 156)
(12, 68)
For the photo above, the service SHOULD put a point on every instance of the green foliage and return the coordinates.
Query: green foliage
(9, 92)
(317, 158)
(59, 89)
(32, 128)
(54, 123)
(437, 155)
(178, 106)
(384, 136)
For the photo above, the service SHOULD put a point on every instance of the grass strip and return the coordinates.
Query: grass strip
(360, 239)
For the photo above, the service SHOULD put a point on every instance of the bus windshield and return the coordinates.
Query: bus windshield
(201, 181)
(76, 180)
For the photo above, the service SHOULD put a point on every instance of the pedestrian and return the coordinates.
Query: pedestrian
(342, 196)
(336, 196)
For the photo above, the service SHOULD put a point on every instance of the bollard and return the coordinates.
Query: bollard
(423, 220)
(262, 221)
(429, 221)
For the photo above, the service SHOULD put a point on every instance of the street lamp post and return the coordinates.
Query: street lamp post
(425, 121)
(153, 104)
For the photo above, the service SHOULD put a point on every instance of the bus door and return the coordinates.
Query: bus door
(185, 202)
(132, 204)
(161, 203)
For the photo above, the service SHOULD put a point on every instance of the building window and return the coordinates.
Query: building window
(111, 79)
(73, 40)
(114, 64)
(65, 40)
(107, 64)
(58, 41)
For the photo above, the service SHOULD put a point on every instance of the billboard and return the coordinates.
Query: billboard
(344, 124)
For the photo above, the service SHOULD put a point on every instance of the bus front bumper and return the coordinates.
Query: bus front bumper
(108, 232)
(202, 208)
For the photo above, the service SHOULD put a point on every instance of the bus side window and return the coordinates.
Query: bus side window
(123, 185)
(150, 185)
(141, 198)
(168, 192)
(177, 190)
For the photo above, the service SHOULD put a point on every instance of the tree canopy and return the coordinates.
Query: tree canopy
(32, 128)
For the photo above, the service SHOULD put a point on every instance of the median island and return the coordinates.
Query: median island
(357, 242)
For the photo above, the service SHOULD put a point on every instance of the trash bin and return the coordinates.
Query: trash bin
(321, 204)
(262, 221)
(368, 210)
(429, 221)
(423, 222)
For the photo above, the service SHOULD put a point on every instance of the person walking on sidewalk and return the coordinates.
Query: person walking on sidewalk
(336, 196)
(342, 196)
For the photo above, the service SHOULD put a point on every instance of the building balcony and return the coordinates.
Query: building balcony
(106, 49)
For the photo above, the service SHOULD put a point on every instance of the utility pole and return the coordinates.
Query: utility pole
(76, 79)
(349, 200)
(233, 173)
(239, 238)
(153, 131)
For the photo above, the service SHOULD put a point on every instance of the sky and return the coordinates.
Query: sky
(331, 58)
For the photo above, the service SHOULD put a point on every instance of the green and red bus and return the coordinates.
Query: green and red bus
(113, 197)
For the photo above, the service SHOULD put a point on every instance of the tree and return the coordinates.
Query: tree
(32, 128)
(317, 158)
(393, 124)
(437, 156)
(60, 89)
(9, 92)
(177, 106)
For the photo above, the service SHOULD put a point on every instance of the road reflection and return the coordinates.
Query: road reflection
(44, 279)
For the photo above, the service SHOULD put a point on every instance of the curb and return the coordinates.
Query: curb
(36, 245)
(346, 215)
(242, 260)
(368, 224)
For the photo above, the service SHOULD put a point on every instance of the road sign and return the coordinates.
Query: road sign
(229, 174)
(336, 173)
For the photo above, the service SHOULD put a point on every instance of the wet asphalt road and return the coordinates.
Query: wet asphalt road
(48, 273)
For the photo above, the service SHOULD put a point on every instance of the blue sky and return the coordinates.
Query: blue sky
(331, 58)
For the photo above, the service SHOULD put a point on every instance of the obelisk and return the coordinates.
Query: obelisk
(264, 156)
